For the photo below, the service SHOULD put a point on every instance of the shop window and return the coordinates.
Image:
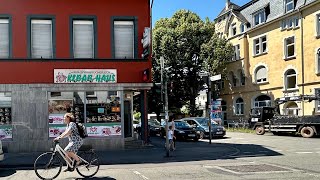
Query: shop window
(83, 39)
(124, 39)
(4, 38)
(100, 113)
(239, 107)
(5, 115)
(41, 39)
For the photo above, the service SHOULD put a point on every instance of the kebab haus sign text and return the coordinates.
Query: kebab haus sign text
(85, 76)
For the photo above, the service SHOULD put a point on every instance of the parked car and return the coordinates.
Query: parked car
(154, 127)
(182, 131)
(1, 152)
(201, 124)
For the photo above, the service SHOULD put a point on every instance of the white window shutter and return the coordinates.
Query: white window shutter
(4, 38)
(83, 39)
(124, 39)
(41, 39)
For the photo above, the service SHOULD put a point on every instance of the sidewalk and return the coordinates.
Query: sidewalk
(132, 156)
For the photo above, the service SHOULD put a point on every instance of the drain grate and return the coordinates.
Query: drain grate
(253, 168)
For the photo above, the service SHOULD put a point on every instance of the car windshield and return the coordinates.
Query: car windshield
(154, 122)
(181, 124)
(204, 122)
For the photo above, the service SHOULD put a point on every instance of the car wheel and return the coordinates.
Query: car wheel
(307, 132)
(201, 135)
(260, 130)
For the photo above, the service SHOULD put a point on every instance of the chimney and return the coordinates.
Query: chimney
(227, 4)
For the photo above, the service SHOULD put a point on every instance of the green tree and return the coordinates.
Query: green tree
(184, 41)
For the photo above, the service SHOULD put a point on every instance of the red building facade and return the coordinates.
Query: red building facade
(84, 57)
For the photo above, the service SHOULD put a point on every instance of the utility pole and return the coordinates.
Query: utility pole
(165, 104)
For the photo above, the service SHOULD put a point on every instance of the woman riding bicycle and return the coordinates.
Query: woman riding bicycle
(75, 141)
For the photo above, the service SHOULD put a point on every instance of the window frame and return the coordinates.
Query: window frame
(92, 18)
(287, 45)
(317, 103)
(317, 59)
(233, 29)
(255, 75)
(134, 19)
(239, 107)
(317, 25)
(242, 28)
(286, 3)
(31, 39)
(260, 45)
(9, 18)
(290, 76)
(262, 19)
(236, 55)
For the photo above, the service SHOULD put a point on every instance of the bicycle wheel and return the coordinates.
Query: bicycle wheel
(89, 168)
(47, 166)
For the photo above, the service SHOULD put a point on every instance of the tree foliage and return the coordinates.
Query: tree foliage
(188, 45)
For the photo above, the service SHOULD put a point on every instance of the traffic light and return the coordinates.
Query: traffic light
(146, 75)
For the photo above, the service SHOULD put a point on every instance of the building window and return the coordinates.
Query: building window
(290, 79)
(318, 24)
(318, 60)
(41, 39)
(242, 78)
(318, 101)
(289, 47)
(4, 38)
(291, 109)
(260, 45)
(239, 106)
(242, 27)
(259, 17)
(83, 39)
(289, 5)
(101, 112)
(5, 115)
(233, 79)
(220, 84)
(262, 101)
(290, 23)
(124, 39)
(236, 55)
(233, 29)
(261, 74)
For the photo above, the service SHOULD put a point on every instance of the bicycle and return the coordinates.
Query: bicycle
(51, 162)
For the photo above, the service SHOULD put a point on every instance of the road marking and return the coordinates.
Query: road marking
(141, 175)
(252, 155)
(304, 152)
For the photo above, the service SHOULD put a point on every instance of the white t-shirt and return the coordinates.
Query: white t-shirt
(171, 124)
(170, 134)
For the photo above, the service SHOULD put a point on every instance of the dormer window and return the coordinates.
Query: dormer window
(289, 5)
(259, 17)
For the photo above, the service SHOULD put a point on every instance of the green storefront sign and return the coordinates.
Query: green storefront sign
(85, 75)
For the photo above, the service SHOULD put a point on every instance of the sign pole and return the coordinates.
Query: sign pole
(209, 103)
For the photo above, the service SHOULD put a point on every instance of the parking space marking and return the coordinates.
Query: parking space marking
(141, 175)
(304, 152)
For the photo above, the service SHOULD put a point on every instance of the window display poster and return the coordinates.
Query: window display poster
(102, 130)
(6, 132)
(60, 106)
(56, 118)
(56, 130)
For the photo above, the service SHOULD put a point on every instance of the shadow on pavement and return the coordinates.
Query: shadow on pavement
(97, 178)
(7, 173)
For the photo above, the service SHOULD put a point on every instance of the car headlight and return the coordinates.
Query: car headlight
(181, 132)
(198, 132)
(207, 130)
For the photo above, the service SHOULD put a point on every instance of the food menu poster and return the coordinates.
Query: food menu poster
(60, 106)
(56, 130)
(103, 130)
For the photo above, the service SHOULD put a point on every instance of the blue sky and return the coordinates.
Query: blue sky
(204, 8)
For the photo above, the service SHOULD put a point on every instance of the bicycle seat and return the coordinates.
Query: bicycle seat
(85, 148)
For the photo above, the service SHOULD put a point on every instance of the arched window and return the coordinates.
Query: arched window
(239, 107)
(290, 79)
(262, 101)
(261, 74)
(291, 109)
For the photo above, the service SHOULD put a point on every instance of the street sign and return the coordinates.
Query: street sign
(203, 73)
(215, 78)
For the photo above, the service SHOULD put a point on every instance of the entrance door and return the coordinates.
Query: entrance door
(127, 119)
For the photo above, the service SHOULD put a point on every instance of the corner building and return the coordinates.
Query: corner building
(84, 57)
(277, 55)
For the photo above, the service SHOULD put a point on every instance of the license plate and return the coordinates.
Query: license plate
(191, 135)
(219, 132)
